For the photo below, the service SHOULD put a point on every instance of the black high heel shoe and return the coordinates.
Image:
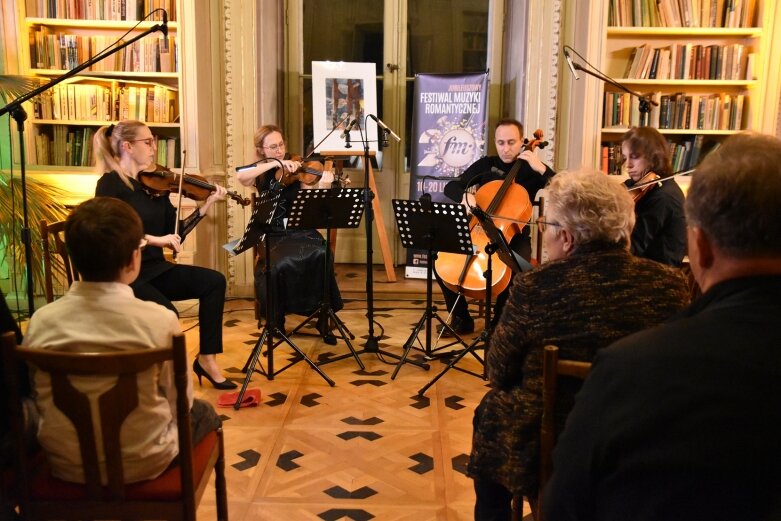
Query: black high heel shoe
(200, 372)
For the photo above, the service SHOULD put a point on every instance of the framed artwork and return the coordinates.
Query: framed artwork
(343, 92)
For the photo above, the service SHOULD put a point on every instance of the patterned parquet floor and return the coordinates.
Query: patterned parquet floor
(367, 448)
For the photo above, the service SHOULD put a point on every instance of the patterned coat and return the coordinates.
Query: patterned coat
(581, 303)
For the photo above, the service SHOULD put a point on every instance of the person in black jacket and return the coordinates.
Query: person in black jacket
(683, 421)
(121, 152)
(532, 176)
(660, 228)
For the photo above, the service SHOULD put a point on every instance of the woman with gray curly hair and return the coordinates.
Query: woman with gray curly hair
(591, 292)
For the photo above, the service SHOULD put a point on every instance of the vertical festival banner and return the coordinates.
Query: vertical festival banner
(449, 127)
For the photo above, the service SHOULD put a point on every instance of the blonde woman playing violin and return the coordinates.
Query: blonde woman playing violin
(660, 231)
(297, 256)
(121, 152)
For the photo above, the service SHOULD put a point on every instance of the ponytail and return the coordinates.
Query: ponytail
(106, 144)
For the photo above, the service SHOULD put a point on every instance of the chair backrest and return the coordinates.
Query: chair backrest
(552, 369)
(53, 243)
(114, 406)
(540, 204)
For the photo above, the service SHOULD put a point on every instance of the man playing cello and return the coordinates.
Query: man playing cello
(532, 176)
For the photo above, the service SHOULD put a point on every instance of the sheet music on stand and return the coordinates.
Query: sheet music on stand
(262, 214)
(432, 228)
(326, 208)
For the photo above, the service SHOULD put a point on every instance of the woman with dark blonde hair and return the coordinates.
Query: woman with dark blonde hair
(297, 256)
(121, 152)
(660, 230)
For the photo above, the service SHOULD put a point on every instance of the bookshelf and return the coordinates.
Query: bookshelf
(700, 60)
(142, 81)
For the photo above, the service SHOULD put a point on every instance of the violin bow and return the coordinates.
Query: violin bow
(179, 199)
(660, 180)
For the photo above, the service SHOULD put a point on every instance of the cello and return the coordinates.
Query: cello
(509, 204)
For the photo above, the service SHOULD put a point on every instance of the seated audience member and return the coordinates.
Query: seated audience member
(683, 421)
(590, 293)
(104, 237)
(7, 445)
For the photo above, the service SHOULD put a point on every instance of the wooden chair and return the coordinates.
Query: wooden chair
(552, 369)
(173, 495)
(53, 243)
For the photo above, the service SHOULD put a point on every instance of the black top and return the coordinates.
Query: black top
(682, 421)
(660, 229)
(157, 214)
(482, 172)
(268, 181)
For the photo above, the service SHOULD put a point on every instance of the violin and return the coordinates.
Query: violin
(309, 173)
(161, 181)
(510, 204)
(643, 185)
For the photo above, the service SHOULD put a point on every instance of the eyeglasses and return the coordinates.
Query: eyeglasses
(276, 147)
(147, 141)
(541, 224)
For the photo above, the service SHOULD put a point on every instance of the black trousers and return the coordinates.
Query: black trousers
(182, 282)
(493, 502)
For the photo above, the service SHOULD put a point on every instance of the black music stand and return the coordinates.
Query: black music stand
(515, 262)
(258, 229)
(332, 208)
(434, 227)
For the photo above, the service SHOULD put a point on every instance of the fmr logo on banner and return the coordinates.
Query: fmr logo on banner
(449, 129)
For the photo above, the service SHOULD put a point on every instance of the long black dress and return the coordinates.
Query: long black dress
(297, 263)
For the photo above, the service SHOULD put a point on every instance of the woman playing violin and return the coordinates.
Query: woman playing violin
(121, 152)
(297, 256)
(533, 176)
(660, 231)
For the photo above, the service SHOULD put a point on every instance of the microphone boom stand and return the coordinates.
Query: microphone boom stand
(18, 113)
(645, 99)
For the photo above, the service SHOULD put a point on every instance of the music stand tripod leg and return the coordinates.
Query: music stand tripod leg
(484, 336)
(425, 321)
(249, 367)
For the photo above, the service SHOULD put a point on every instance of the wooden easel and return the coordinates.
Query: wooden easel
(341, 155)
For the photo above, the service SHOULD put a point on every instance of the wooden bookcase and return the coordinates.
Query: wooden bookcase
(143, 81)
(701, 100)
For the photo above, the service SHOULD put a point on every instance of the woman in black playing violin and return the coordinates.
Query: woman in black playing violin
(297, 256)
(532, 176)
(660, 230)
(121, 152)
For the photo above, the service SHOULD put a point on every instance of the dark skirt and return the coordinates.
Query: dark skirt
(298, 272)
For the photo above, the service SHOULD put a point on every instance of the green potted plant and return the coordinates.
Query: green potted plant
(43, 202)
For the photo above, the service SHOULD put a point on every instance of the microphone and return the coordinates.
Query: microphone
(385, 127)
(164, 27)
(259, 161)
(571, 65)
(247, 167)
(347, 129)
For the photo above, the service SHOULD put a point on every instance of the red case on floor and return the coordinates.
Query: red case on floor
(251, 398)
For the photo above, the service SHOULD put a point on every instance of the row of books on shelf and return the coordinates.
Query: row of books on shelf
(684, 155)
(682, 13)
(105, 9)
(63, 145)
(686, 61)
(50, 50)
(678, 111)
(99, 102)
